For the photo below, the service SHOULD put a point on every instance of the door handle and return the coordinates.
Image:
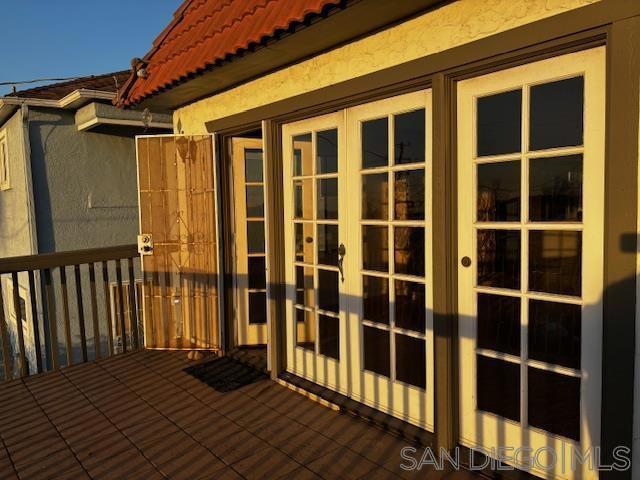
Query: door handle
(342, 251)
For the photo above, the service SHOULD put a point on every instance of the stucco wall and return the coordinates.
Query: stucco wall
(84, 183)
(15, 234)
(451, 25)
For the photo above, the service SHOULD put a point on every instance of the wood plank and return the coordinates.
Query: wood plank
(107, 301)
(65, 315)
(80, 307)
(51, 318)
(4, 338)
(94, 310)
(34, 321)
(24, 370)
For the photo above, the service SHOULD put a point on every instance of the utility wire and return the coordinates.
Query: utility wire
(23, 82)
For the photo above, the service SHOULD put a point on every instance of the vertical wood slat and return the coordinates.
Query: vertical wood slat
(133, 307)
(34, 321)
(94, 310)
(80, 306)
(107, 300)
(123, 327)
(65, 315)
(4, 338)
(51, 317)
(24, 370)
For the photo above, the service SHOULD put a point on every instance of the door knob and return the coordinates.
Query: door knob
(466, 262)
(342, 251)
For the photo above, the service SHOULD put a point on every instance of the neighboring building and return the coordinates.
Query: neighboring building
(443, 196)
(67, 173)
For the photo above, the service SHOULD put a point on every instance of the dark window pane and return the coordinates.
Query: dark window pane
(302, 159)
(410, 305)
(375, 299)
(555, 262)
(328, 198)
(328, 245)
(304, 242)
(305, 329)
(409, 195)
(375, 248)
(255, 236)
(409, 250)
(556, 114)
(328, 297)
(498, 387)
(253, 165)
(499, 258)
(411, 360)
(257, 272)
(257, 307)
(304, 286)
(329, 330)
(375, 196)
(376, 350)
(555, 189)
(499, 123)
(554, 403)
(409, 137)
(499, 323)
(303, 199)
(375, 143)
(555, 333)
(499, 192)
(255, 201)
(327, 146)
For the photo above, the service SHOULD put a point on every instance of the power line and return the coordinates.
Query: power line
(24, 82)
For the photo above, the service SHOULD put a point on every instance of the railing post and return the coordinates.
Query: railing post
(34, 321)
(24, 369)
(107, 300)
(94, 310)
(51, 315)
(123, 326)
(65, 314)
(6, 355)
(83, 334)
(133, 307)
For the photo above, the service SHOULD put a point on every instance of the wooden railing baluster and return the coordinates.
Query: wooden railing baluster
(83, 333)
(43, 295)
(133, 306)
(65, 314)
(94, 310)
(107, 300)
(24, 368)
(35, 324)
(4, 337)
(51, 317)
(123, 327)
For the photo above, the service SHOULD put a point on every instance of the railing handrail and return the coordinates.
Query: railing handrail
(62, 259)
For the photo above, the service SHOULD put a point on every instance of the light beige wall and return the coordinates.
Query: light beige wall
(452, 25)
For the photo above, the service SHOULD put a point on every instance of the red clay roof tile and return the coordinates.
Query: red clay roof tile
(204, 32)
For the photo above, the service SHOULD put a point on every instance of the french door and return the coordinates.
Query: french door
(358, 253)
(530, 242)
(250, 278)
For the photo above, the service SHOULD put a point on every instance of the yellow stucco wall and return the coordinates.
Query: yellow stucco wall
(455, 24)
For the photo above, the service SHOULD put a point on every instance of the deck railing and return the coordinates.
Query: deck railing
(59, 309)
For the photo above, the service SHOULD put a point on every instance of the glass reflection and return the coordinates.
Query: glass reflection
(375, 196)
(328, 198)
(499, 192)
(305, 329)
(409, 130)
(375, 143)
(499, 123)
(302, 155)
(375, 299)
(409, 195)
(328, 245)
(411, 360)
(555, 189)
(327, 146)
(555, 262)
(409, 250)
(303, 199)
(499, 258)
(329, 330)
(304, 242)
(410, 307)
(375, 248)
(499, 323)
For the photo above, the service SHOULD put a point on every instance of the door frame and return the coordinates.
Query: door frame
(613, 23)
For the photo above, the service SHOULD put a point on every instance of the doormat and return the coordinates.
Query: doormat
(226, 374)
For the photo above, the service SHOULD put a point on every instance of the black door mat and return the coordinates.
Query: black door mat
(226, 374)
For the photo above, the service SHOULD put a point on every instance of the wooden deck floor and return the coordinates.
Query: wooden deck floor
(139, 416)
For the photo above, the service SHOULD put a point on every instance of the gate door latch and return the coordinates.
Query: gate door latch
(145, 244)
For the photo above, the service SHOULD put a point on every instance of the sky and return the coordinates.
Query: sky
(68, 38)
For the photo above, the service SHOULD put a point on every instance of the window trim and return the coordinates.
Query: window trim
(5, 174)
